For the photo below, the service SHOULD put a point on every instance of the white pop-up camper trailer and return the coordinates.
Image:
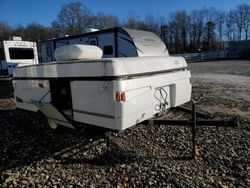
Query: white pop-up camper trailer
(16, 53)
(114, 42)
(114, 93)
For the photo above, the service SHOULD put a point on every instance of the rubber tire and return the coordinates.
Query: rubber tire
(52, 125)
(46, 122)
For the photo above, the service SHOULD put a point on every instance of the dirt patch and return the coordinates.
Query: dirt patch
(224, 93)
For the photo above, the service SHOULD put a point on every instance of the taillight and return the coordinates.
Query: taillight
(123, 97)
(120, 97)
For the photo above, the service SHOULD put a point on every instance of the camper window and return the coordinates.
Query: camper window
(2, 54)
(92, 41)
(21, 53)
(108, 50)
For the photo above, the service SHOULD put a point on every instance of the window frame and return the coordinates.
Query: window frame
(93, 39)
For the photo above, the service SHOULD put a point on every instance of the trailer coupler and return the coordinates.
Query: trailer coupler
(195, 122)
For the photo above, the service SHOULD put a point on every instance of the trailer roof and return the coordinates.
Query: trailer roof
(130, 31)
(83, 34)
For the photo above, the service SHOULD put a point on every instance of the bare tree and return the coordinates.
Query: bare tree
(5, 31)
(183, 21)
(74, 18)
(103, 21)
(18, 30)
(230, 26)
(179, 26)
(160, 21)
(220, 26)
(196, 28)
(134, 22)
(209, 36)
(150, 22)
(32, 32)
(246, 19)
(36, 32)
(213, 28)
(168, 36)
(239, 15)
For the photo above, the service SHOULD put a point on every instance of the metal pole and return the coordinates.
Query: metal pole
(194, 127)
(199, 122)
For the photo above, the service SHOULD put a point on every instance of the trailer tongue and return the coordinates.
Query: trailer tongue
(195, 123)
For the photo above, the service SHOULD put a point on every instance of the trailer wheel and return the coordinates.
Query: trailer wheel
(47, 123)
(52, 124)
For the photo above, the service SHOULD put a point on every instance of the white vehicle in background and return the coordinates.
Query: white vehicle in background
(17, 53)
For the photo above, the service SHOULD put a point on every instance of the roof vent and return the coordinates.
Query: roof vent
(16, 38)
(77, 52)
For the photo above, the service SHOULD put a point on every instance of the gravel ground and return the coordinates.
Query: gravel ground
(142, 156)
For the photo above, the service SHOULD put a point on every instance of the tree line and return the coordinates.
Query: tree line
(198, 30)
(206, 29)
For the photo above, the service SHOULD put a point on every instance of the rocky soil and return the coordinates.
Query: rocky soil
(142, 156)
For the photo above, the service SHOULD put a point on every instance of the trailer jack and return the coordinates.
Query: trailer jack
(194, 123)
